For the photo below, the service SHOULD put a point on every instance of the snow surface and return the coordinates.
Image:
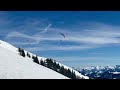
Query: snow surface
(115, 72)
(79, 75)
(13, 65)
(8, 46)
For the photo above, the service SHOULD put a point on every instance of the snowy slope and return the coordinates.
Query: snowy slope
(79, 75)
(115, 72)
(14, 66)
(8, 46)
(10, 57)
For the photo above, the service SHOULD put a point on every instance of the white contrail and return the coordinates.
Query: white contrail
(46, 29)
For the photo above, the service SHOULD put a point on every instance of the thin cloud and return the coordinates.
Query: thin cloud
(62, 48)
(78, 58)
(97, 53)
(91, 60)
(29, 39)
(18, 34)
(100, 36)
(46, 28)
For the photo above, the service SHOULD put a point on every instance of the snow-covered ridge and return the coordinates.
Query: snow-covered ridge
(8, 46)
(79, 75)
(13, 49)
(14, 66)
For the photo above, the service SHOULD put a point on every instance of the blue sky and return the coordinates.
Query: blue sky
(91, 37)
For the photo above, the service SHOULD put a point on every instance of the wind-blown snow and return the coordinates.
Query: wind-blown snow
(15, 66)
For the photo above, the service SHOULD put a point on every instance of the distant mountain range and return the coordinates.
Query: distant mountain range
(99, 72)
